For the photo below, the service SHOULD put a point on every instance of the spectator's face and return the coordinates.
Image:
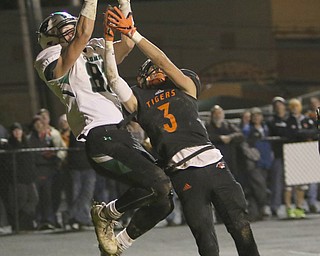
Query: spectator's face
(314, 103)
(45, 117)
(217, 115)
(17, 133)
(38, 126)
(279, 107)
(63, 125)
(246, 117)
(295, 108)
(256, 118)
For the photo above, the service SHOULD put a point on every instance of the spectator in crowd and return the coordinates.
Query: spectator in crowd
(101, 190)
(58, 182)
(245, 122)
(22, 191)
(300, 128)
(314, 103)
(278, 128)
(46, 166)
(225, 136)
(65, 176)
(312, 194)
(83, 184)
(258, 172)
(64, 129)
(246, 157)
(52, 133)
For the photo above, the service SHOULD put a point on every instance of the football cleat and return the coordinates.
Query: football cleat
(104, 229)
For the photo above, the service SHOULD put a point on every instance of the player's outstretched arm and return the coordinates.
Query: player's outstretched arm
(125, 25)
(83, 32)
(118, 85)
(123, 47)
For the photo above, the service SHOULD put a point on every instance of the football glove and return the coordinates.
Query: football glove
(108, 32)
(117, 21)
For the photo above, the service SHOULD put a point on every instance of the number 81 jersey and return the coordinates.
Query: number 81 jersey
(83, 90)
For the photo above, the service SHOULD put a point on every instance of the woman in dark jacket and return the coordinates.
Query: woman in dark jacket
(22, 189)
(46, 165)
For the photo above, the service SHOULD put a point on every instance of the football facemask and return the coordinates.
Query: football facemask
(150, 75)
(51, 29)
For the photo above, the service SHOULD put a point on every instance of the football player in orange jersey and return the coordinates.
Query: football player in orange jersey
(197, 170)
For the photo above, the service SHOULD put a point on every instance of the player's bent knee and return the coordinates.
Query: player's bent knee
(163, 188)
(165, 205)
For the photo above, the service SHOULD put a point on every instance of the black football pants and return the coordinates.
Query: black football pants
(150, 189)
(201, 188)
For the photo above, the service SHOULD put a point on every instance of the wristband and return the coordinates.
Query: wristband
(89, 9)
(137, 37)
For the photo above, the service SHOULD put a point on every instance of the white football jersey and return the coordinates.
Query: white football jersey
(83, 90)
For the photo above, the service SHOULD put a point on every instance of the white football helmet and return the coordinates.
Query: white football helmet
(49, 33)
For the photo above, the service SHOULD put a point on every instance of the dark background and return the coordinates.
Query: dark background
(245, 52)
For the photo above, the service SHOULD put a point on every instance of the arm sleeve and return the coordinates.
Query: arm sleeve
(118, 85)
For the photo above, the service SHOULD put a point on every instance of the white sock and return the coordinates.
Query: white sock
(124, 240)
(111, 210)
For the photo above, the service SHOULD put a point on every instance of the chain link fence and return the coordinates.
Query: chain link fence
(31, 181)
(27, 175)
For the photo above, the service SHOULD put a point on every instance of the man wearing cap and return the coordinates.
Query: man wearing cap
(277, 126)
(258, 171)
(54, 138)
(225, 136)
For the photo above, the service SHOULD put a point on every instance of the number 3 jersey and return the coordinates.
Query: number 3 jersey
(170, 118)
(83, 90)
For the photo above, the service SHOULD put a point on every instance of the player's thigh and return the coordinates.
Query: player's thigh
(192, 190)
(228, 198)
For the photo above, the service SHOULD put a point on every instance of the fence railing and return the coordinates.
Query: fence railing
(15, 167)
(15, 164)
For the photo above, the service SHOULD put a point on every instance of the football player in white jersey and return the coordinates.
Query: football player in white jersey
(71, 66)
